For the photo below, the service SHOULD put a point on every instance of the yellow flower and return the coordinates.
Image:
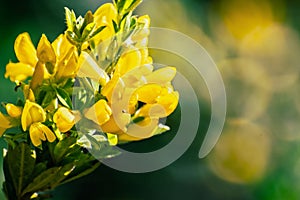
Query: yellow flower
(28, 93)
(153, 88)
(64, 119)
(67, 57)
(32, 113)
(27, 57)
(4, 123)
(45, 51)
(89, 68)
(39, 132)
(141, 130)
(13, 111)
(32, 117)
(104, 16)
(99, 113)
(58, 58)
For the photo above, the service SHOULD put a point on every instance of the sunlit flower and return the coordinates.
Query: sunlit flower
(100, 112)
(104, 16)
(32, 117)
(64, 119)
(32, 113)
(13, 110)
(27, 57)
(140, 84)
(89, 68)
(59, 58)
(67, 57)
(4, 123)
(39, 132)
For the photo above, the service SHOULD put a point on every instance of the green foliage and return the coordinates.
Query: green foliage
(28, 170)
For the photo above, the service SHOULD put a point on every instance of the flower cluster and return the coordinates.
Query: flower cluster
(94, 85)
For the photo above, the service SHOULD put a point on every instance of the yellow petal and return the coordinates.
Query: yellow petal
(28, 93)
(105, 14)
(89, 68)
(112, 139)
(38, 76)
(49, 134)
(136, 77)
(129, 61)
(13, 111)
(169, 102)
(32, 113)
(68, 66)
(142, 130)
(61, 46)
(18, 71)
(116, 123)
(4, 123)
(148, 93)
(24, 49)
(34, 133)
(64, 119)
(100, 112)
(115, 84)
(45, 52)
(144, 19)
(162, 76)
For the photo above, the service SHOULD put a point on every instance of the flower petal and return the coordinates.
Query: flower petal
(64, 119)
(13, 111)
(32, 113)
(24, 49)
(18, 71)
(49, 134)
(100, 112)
(89, 68)
(162, 76)
(45, 52)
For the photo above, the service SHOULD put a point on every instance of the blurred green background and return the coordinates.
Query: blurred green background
(255, 45)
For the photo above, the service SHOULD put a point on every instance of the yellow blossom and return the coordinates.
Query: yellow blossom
(64, 119)
(45, 51)
(32, 113)
(4, 123)
(141, 130)
(104, 16)
(67, 57)
(124, 92)
(39, 132)
(26, 54)
(13, 110)
(58, 58)
(99, 113)
(89, 68)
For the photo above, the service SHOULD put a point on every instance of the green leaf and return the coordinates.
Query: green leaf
(20, 165)
(62, 148)
(116, 27)
(48, 98)
(101, 149)
(72, 37)
(8, 187)
(88, 18)
(78, 172)
(87, 30)
(39, 168)
(49, 178)
(64, 97)
(98, 30)
(70, 18)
